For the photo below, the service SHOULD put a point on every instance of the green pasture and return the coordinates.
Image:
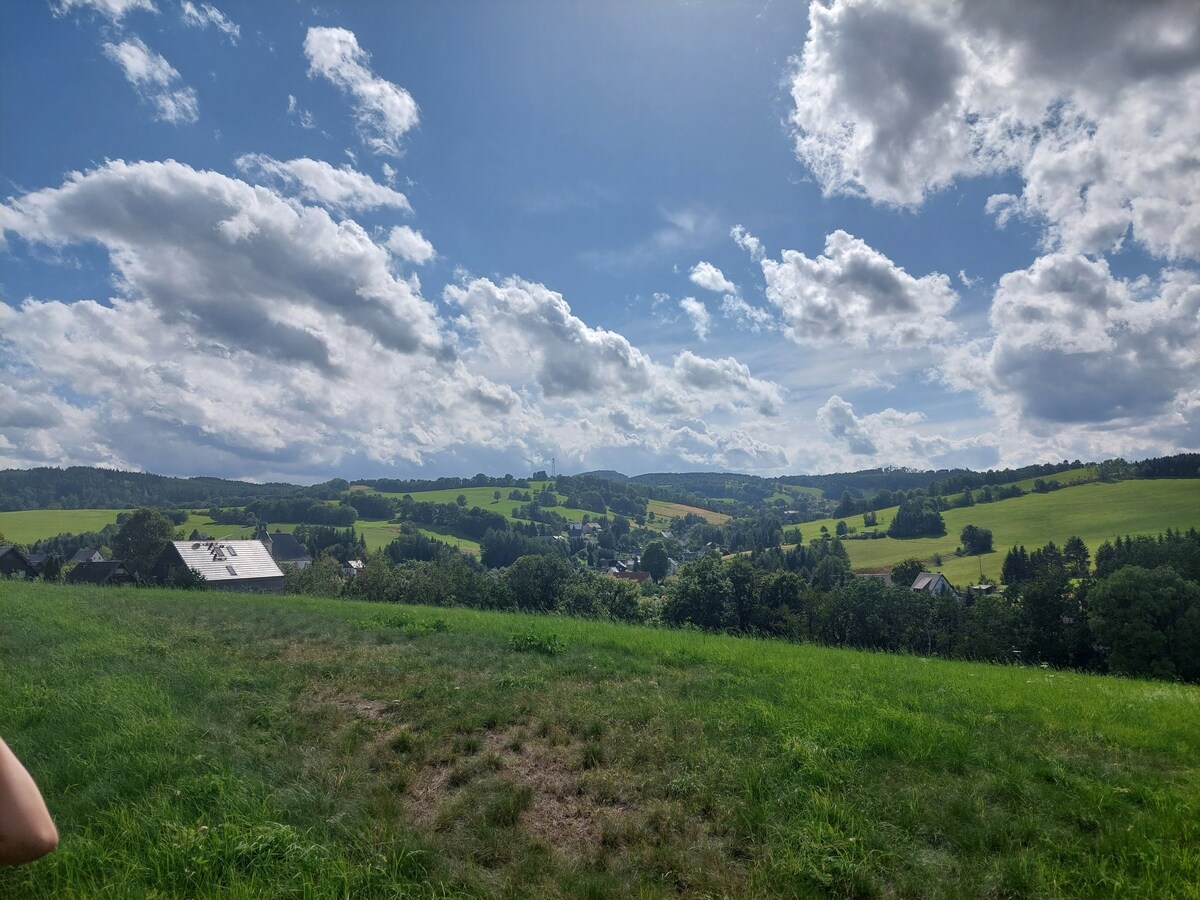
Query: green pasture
(197, 744)
(28, 525)
(1086, 472)
(1096, 512)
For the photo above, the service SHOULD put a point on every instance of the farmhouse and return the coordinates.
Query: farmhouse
(284, 548)
(933, 583)
(82, 556)
(225, 565)
(104, 572)
(14, 564)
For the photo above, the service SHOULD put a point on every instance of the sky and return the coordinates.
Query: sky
(294, 241)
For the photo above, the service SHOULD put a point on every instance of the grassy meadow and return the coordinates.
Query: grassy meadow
(1096, 512)
(209, 745)
(28, 525)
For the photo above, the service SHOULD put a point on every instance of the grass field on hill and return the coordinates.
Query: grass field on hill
(28, 525)
(664, 510)
(205, 745)
(1096, 512)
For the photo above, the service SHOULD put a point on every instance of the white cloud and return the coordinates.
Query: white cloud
(115, 10)
(410, 245)
(206, 14)
(1096, 107)
(1072, 345)
(751, 318)
(697, 312)
(233, 261)
(155, 80)
(748, 242)
(340, 189)
(893, 437)
(384, 111)
(709, 277)
(856, 295)
(526, 335)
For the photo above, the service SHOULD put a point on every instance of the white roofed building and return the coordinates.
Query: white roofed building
(226, 565)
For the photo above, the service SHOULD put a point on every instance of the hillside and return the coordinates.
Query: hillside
(1095, 512)
(207, 745)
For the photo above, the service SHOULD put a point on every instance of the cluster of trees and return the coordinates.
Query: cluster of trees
(917, 518)
(303, 509)
(472, 522)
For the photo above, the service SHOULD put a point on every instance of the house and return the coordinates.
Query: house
(103, 572)
(225, 565)
(933, 583)
(884, 577)
(38, 561)
(284, 548)
(82, 556)
(353, 568)
(14, 564)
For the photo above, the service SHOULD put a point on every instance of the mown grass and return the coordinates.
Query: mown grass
(212, 745)
(28, 525)
(1096, 512)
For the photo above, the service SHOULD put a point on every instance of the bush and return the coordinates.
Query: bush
(535, 642)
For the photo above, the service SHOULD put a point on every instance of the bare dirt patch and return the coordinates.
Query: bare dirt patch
(561, 812)
(359, 706)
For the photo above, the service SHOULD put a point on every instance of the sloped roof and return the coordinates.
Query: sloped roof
(286, 547)
(927, 580)
(98, 572)
(83, 555)
(228, 560)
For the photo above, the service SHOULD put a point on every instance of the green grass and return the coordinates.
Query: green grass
(28, 525)
(1096, 512)
(206, 745)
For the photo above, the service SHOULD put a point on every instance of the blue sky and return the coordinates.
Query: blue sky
(279, 240)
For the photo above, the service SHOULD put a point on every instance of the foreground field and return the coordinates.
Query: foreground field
(206, 745)
(1096, 512)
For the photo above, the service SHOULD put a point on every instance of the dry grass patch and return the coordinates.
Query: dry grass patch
(556, 806)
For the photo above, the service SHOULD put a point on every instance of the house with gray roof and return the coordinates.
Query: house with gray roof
(224, 565)
(933, 583)
(284, 548)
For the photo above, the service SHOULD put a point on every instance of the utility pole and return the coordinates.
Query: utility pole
(553, 469)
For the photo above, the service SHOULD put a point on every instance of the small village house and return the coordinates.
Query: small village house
(224, 565)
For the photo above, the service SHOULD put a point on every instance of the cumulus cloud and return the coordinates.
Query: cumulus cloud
(341, 189)
(697, 312)
(156, 81)
(1096, 108)
(1072, 344)
(709, 277)
(115, 10)
(233, 261)
(410, 245)
(384, 111)
(893, 437)
(854, 294)
(206, 14)
(526, 335)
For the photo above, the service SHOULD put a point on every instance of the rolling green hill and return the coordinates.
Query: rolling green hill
(208, 745)
(1095, 512)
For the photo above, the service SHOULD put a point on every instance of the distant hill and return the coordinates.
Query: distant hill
(606, 474)
(86, 487)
